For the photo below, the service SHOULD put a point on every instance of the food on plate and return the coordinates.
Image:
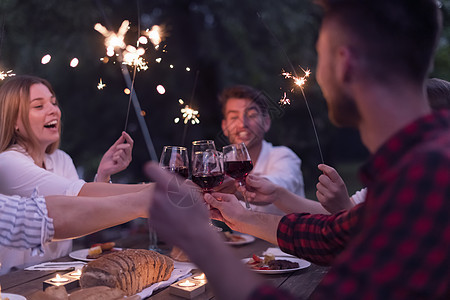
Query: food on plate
(232, 237)
(92, 293)
(95, 250)
(268, 262)
(98, 250)
(130, 270)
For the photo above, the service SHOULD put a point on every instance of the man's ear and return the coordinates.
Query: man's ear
(225, 127)
(344, 65)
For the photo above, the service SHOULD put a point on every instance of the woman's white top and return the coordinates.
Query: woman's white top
(19, 175)
(24, 226)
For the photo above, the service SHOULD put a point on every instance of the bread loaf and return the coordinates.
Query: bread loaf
(129, 270)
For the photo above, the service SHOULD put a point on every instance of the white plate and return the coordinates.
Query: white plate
(247, 239)
(83, 253)
(302, 264)
(12, 296)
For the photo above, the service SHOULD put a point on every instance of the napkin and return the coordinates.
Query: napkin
(276, 252)
(180, 271)
(54, 266)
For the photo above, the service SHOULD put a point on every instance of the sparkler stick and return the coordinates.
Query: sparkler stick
(110, 40)
(137, 109)
(186, 120)
(299, 83)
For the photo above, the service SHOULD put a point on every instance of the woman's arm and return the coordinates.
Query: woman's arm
(101, 189)
(77, 216)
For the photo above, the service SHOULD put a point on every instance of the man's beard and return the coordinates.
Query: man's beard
(342, 111)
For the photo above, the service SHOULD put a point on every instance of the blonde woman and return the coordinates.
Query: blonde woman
(30, 127)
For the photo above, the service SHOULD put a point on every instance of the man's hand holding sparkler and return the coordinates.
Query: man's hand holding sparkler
(116, 159)
(331, 190)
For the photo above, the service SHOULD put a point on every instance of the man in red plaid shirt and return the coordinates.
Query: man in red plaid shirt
(373, 60)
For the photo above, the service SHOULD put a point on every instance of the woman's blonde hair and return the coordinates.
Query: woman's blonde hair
(15, 104)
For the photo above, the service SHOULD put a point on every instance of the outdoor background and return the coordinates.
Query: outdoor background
(222, 42)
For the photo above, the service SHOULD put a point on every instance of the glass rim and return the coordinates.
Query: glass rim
(175, 147)
(202, 142)
(231, 145)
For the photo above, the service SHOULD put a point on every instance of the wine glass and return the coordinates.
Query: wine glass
(237, 164)
(202, 145)
(207, 171)
(175, 160)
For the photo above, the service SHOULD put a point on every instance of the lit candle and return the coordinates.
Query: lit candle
(200, 277)
(59, 280)
(74, 274)
(187, 283)
(62, 280)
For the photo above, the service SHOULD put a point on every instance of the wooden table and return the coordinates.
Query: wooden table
(300, 283)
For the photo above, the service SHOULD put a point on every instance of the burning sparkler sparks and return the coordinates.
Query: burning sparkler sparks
(298, 81)
(133, 57)
(155, 35)
(101, 85)
(285, 100)
(113, 40)
(4, 74)
(189, 114)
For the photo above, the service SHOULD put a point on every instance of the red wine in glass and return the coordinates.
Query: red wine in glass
(182, 171)
(237, 164)
(208, 181)
(238, 169)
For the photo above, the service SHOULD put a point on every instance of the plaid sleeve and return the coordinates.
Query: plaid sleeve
(403, 249)
(268, 292)
(317, 238)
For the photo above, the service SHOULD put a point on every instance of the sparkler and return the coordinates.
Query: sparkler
(189, 114)
(6, 74)
(113, 40)
(155, 35)
(299, 81)
(133, 57)
(128, 55)
(101, 85)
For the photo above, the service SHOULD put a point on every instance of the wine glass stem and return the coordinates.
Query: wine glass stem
(247, 204)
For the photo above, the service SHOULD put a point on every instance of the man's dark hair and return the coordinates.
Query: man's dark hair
(438, 91)
(244, 92)
(395, 37)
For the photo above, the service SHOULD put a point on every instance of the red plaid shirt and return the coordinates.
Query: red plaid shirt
(396, 245)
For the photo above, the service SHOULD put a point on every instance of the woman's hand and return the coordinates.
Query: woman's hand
(116, 159)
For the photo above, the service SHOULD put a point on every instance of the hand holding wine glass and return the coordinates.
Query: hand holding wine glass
(237, 164)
